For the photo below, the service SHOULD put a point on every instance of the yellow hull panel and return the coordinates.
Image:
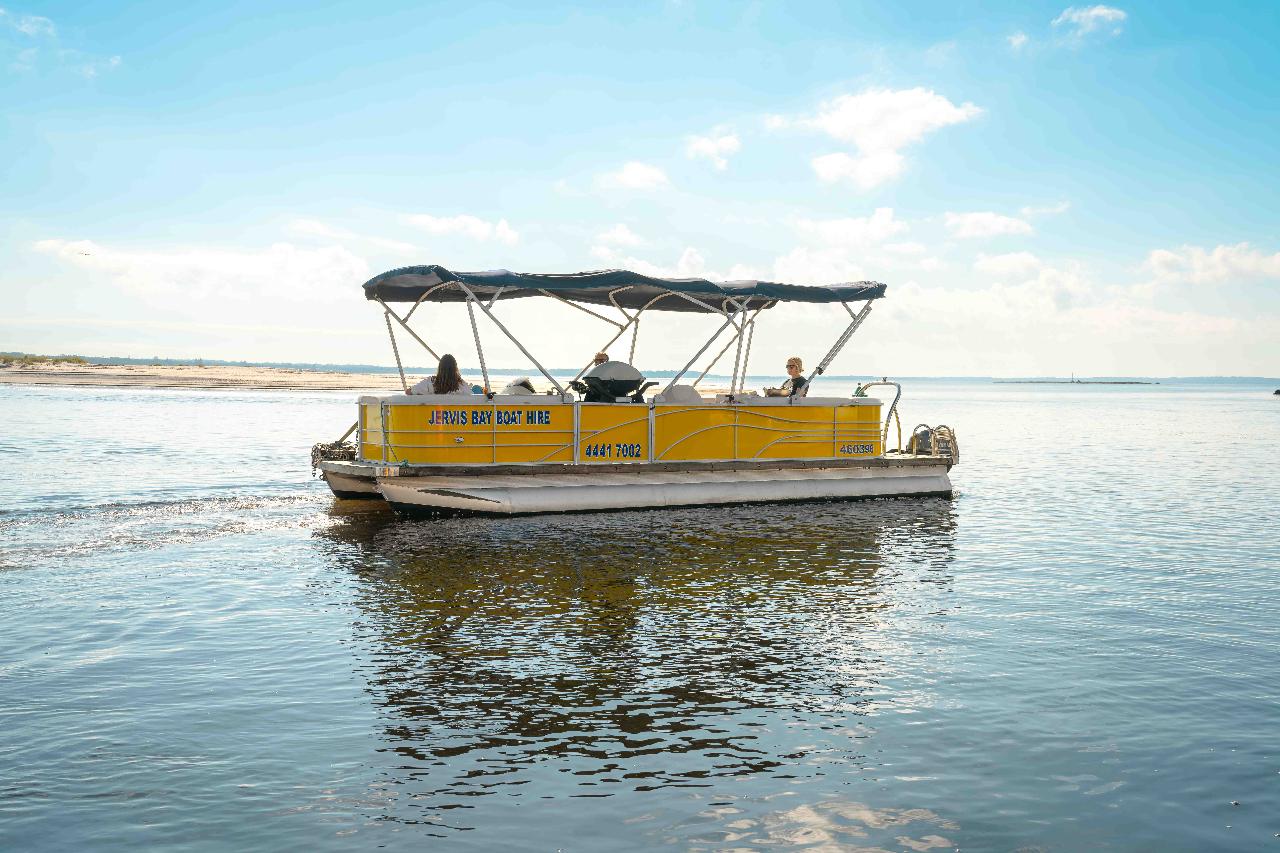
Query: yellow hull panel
(478, 432)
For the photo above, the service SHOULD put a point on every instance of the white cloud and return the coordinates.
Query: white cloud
(865, 171)
(25, 60)
(805, 265)
(38, 27)
(1082, 20)
(619, 235)
(967, 226)
(1018, 40)
(94, 67)
(315, 228)
(690, 264)
(1050, 210)
(905, 248)
(465, 226)
(1197, 265)
(879, 123)
(30, 25)
(1013, 265)
(858, 232)
(281, 272)
(715, 147)
(634, 176)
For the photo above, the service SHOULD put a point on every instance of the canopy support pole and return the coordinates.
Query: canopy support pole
(585, 310)
(475, 331)
(711, 365)
(727, 323)
(405, 324)
(844, 337)
(621, 329)
(471, 297)
(746, 357)
(635, 333)
(404, 383)
(737, 355)
(420, 300)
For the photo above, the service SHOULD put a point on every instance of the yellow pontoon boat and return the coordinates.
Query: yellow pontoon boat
(594, 443)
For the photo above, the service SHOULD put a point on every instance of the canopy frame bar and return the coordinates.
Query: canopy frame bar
(471, 297)
(622, 329)
(675, 379)
(857, 320)
(711, 364)
(736, 312)
(395, 349)
(405, 324)
(475, 331)
(419, 300)
(581, 308)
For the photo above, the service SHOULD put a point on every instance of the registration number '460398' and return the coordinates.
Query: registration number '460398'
(855, 449)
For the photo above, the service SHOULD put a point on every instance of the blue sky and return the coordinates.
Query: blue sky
(1045, 188)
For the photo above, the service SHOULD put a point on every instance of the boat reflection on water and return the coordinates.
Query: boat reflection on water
(562, 656)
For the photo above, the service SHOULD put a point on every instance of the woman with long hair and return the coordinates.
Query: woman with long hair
(448, 379)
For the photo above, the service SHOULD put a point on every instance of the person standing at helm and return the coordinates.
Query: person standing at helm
(795, 384)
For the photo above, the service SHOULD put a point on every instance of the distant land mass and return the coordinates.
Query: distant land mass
(32, 359)
(1075, 381)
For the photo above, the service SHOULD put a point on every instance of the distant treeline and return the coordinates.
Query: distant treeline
(33, 358)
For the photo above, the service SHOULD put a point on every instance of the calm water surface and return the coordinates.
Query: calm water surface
(200, 649)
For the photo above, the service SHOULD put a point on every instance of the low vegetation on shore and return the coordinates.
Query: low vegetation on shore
(10, 359)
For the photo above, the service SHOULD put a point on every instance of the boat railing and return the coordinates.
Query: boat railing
(892, 414)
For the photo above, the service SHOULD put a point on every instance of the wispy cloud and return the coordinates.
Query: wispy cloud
(1198, 265)
(44, 33)
(1048, 210)
(1018, 40)
(316, 228)
(634, 176)
(1016, 265)
(214, 273)
(857, 232)
(879, 123)
(1079, 21)
(716, 147)
(29, 25)
(465, 225)
(978, 224)
(619, 235)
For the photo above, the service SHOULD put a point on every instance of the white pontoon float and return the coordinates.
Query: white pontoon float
(602, 444)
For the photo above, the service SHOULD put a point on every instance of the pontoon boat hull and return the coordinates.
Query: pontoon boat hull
(520, 494)
(351, 487)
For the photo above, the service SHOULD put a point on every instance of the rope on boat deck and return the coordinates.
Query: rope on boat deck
(340, 449)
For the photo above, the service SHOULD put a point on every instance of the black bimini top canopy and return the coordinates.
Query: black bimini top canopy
(622, 288)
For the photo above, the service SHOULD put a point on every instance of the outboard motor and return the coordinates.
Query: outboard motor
(606, 382)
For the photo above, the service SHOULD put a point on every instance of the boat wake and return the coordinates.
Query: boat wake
(34, 537)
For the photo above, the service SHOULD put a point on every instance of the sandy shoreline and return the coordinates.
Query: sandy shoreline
(191, 376)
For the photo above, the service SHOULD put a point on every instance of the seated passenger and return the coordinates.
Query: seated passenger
(795, 386)
(600, 358)
(448, 380)
(519, 386)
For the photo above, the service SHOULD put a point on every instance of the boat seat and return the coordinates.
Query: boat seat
(681, 394)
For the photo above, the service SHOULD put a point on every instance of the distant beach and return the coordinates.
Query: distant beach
(194, 376)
